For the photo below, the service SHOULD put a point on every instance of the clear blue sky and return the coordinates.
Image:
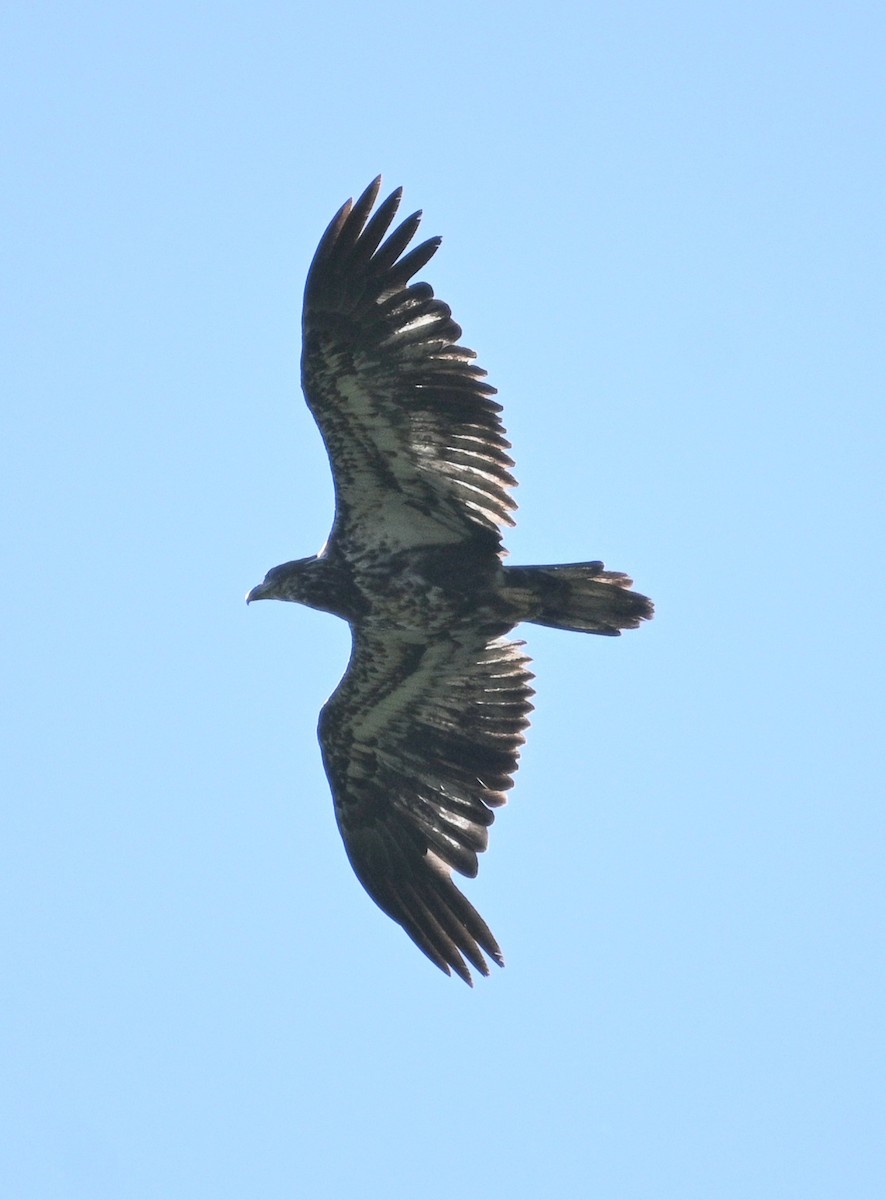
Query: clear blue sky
(663, 232)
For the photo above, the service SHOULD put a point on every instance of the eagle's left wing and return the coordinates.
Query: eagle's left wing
(415, 441)
(420, 742)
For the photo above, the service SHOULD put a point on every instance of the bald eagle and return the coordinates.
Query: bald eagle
(420, 740)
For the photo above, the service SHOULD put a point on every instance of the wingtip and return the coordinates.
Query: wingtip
(465, 976)
(374, 189)
(369, 194)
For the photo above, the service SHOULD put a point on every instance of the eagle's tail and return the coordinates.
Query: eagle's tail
(579, 596)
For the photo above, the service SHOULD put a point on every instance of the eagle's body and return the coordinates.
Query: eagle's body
(420, 739)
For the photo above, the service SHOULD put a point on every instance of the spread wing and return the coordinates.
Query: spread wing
(420, 742)
(418, 452)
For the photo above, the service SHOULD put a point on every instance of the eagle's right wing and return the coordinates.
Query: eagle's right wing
(420, 743)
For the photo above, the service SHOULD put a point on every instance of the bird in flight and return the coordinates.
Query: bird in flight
(420, 740)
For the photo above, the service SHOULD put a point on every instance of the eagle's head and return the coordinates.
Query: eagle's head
(316, 581)
(289, 581)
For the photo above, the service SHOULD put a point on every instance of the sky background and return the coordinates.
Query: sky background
(663, 232)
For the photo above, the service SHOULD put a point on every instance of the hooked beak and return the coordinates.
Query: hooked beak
(257, 593)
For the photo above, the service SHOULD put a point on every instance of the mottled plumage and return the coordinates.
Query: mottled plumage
(420, 740)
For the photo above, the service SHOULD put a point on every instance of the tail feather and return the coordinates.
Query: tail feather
(579, 596)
